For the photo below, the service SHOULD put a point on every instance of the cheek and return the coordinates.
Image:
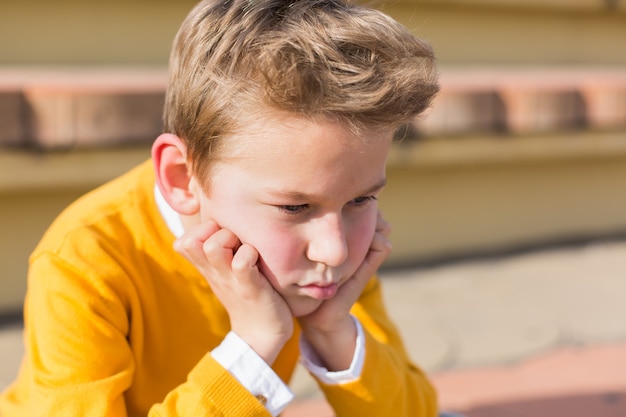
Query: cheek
(361, 235)
(281, 253)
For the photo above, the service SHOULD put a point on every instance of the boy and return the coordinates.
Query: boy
(191, 285)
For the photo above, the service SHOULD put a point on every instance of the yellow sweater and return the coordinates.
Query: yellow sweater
(117, 323)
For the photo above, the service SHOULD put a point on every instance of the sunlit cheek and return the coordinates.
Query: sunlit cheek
(361, 235)
(282, 256)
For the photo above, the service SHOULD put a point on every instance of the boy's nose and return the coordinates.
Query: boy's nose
(327, 241)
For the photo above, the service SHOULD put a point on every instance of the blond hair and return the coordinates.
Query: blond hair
(312, 58)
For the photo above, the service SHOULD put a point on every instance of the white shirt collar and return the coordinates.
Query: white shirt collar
(171, 217)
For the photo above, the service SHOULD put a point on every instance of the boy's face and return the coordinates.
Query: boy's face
(303, 194)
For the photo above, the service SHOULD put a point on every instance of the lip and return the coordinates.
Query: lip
(320, 291)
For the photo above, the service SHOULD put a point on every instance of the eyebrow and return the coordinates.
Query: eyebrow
(299, 196)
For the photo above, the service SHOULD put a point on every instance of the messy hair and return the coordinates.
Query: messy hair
(312, 58)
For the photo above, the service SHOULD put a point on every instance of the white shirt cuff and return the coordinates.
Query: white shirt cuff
(253, 372)
(311, 361)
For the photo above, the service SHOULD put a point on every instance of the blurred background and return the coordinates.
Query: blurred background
(507, 197)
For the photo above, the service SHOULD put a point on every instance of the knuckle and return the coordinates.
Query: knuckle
(240, 265)
(210, 248)
(183, 244)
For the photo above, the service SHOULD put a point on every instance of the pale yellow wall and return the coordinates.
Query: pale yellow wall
(439, 212)
(463, 32)
(69, 32)
(471, 35)
(558, 5)
(23, 219)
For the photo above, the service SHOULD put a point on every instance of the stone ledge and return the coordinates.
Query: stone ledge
(66, 108)
(526, 101)
(98, 108)
(442, 151)
(23, 171)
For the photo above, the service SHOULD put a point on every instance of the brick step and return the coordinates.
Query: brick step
(527, 101)
(80, 108)
(104, 107)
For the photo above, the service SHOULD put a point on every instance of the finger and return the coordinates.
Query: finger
(353, 287)
(380, 243)
(380, 248)
(379, 251)
(249, 280)
(245, 259)
(222, 239)
(220, 248)
(382, 226)
(191, 242)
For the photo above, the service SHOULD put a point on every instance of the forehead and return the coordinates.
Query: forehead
(295, 155)
(307, 140)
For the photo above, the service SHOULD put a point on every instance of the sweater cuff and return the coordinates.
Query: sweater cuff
(253, 373)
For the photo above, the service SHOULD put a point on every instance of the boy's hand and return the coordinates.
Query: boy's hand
(330, 329)
(258, 314)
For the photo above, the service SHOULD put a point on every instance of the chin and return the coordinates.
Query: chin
(301, 308)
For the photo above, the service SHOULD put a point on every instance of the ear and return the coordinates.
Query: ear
(173, 175)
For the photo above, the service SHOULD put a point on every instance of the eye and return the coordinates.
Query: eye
(293, 209)
(359, 201)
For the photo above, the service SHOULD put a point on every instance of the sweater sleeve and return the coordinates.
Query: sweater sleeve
(210, 390)
(80, 362)
(390, 384)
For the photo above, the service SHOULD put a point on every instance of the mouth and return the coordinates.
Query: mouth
(321, 291)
